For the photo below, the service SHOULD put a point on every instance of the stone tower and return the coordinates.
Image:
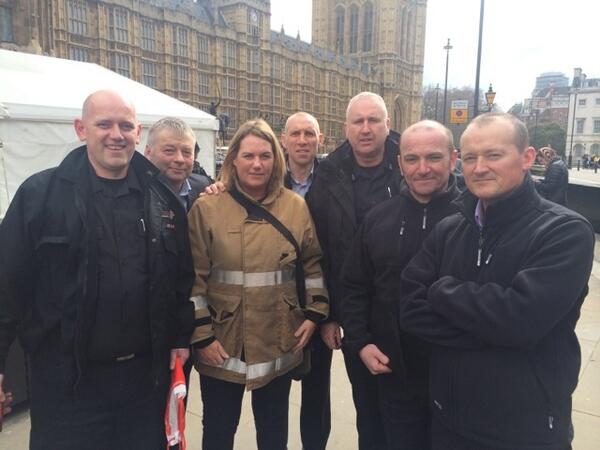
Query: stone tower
(388, 37)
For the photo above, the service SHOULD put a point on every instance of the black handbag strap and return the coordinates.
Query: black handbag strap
(258, 211)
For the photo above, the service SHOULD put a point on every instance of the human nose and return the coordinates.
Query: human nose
(178, 157)
(479, 165)
(256, 162)
(364, 127)
(423, 166)
(115, 132)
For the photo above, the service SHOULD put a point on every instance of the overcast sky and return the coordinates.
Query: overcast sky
(521, 39)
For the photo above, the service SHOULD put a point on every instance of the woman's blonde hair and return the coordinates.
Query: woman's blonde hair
(262, 130)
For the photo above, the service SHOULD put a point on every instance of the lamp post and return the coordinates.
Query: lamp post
(534, 112)
(437, 95)
(447, 47)
(476, 102)
(490, 95)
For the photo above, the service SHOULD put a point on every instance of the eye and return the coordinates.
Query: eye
(103, 125)
(468, 159)
(410, 159)
(127, 126)
(494, 156)
(434, 158)
(265, 156)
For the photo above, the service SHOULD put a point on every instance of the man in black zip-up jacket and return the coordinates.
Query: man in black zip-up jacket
(358, 175)
(387, 239)
(498, 289)
(95, 276)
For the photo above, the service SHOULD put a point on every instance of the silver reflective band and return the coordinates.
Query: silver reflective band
(256, 279)
(315, 283)
(258, 370)
(200, 302)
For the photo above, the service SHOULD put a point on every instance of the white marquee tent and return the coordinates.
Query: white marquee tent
(40, 97)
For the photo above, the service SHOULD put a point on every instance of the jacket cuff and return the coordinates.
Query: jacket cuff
(315, 316)
(357, 345)
(204, 343)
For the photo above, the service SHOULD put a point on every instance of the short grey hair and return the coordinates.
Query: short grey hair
(431, 125)
(301, 114)
(368, 95)
(520, 137)
(173, 124)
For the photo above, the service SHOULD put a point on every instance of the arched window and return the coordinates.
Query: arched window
(578, 150)
(368, 27)
(595, 149)
(353, 48)
(340, 18)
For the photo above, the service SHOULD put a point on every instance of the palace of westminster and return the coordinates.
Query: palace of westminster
(203, 51)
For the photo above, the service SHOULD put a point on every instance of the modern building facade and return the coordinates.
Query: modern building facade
(549, 102)
(550, 79)
(224, 52)
(583, 133)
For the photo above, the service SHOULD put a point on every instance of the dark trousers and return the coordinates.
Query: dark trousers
(315, 411)
(222, 408)
(405, 412)
(115, 406)
(369, 424)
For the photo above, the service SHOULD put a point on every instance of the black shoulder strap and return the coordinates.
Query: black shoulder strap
(258, 211)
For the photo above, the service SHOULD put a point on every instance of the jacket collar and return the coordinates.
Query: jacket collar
(74, 167)
(505, 209)
(442, 197)
(338, 170)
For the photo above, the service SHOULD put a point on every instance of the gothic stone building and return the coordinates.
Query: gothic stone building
(200, 51)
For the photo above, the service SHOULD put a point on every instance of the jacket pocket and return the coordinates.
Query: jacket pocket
(52, 255)
(227, 320)
(498, 395)
(291, 317)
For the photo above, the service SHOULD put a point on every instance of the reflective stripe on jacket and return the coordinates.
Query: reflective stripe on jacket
(245, 292)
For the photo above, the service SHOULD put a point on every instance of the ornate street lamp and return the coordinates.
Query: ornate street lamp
(490, 95)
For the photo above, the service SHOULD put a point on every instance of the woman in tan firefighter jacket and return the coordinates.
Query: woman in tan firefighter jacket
(250, 327)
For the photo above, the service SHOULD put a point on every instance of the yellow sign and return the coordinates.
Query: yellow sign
(459, 116)
(459, 111)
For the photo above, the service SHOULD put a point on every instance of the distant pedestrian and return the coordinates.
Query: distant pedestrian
(556, 178)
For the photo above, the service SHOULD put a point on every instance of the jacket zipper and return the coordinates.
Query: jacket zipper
(479, 248)
(424, 225)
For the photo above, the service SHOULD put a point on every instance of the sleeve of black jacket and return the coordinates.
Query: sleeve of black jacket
(554, 180)
(317, 199)
(542, 293)
(17, 274)
(357, 292)
(415, 314)
(182, 315)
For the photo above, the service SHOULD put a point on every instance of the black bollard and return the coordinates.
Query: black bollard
(578, 165)
(596, 168)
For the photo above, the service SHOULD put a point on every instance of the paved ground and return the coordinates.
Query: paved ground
(586, 401)
(584, 176)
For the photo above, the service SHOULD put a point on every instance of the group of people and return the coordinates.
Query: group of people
(455, 311)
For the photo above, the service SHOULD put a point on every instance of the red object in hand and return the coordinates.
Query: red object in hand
(175, 410)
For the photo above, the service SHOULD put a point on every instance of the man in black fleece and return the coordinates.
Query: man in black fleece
(498, 288)
(357, 176)
(390, 235)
